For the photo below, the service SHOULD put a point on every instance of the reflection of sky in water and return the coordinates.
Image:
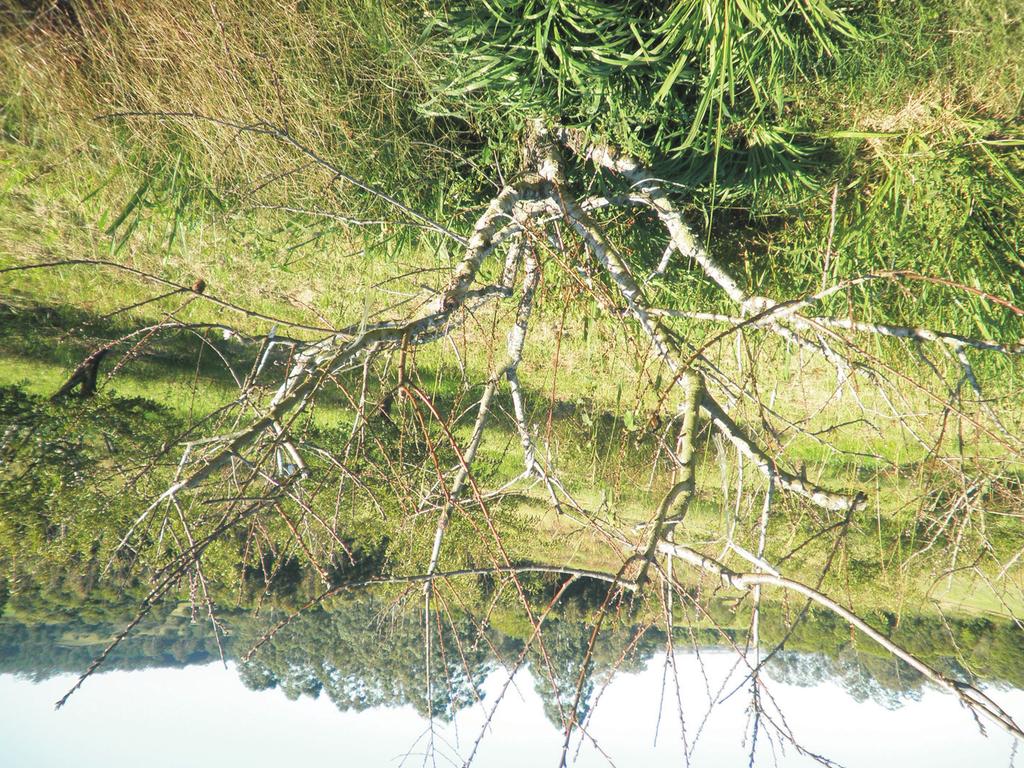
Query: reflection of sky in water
(204, 716)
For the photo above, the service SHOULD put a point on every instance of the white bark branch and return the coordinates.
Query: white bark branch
(976, 700)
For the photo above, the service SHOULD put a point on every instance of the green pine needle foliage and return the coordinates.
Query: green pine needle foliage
(701, 83)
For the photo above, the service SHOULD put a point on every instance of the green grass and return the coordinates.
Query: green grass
(913, 116)
(910, 111)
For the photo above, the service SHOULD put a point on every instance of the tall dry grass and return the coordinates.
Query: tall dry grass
(337, 76)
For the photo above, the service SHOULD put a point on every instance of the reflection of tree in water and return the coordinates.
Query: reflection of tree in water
(362, 652)
(566, 644)
(361, 659)
(887, 682)
(366, 656)
(820, 649)
(38, 651)
(362, 655)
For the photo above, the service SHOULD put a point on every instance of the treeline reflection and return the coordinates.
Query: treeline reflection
(363, 652)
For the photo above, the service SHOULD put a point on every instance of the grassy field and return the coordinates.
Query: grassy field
(910, 112)
(889, 136)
